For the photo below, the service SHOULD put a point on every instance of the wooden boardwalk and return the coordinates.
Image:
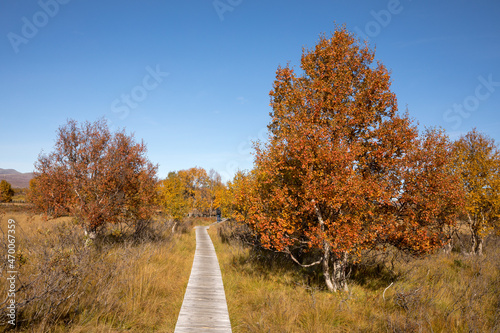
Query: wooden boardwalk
(204, 308)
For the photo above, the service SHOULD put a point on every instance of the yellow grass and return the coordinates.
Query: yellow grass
(120, 285)
(440, 293)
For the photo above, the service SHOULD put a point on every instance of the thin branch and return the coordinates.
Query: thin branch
(299, 263)
(383, 294)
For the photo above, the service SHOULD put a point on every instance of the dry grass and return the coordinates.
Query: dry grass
(137, 285)
(116, 284)
(440, 293)
(19, 195)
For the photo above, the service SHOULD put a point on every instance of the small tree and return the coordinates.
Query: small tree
(6, 191)
(215, 188)
(233, 199)
(196, 181)
(242, 196)
(173, 198)
(477, 162)
(97, 176)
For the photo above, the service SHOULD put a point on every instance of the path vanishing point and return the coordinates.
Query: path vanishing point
(204, 308)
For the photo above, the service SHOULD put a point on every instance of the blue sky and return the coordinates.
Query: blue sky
(191, 78)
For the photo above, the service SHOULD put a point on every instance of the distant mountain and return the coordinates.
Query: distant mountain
(8, 172)
(16, 178)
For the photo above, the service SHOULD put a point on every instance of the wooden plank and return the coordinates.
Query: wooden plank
(204, 308)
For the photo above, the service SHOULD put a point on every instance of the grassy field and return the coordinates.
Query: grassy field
(117, 284)
(122, 283)
(439, 293)
(19, 195)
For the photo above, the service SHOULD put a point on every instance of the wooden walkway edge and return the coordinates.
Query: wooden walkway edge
(204, 308)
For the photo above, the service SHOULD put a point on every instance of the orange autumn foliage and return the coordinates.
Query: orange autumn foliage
(95, 175)
(343, 171)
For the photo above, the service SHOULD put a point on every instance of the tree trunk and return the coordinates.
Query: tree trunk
(339, 272)
(477, 241)
(448, 247)
(334, 271)
(335, 278)
(326, 268)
